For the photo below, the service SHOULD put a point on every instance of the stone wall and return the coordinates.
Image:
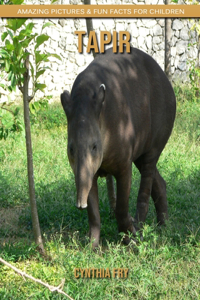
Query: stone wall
(147, 34)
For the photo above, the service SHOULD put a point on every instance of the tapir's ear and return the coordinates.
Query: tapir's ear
(102, 92)
(100, 98)
(66, 103)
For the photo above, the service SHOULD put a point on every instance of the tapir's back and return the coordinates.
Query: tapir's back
(135, 76)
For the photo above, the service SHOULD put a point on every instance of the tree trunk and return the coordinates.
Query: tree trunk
(89, 24)
(168, 45)
(34, 213)
(198, 53)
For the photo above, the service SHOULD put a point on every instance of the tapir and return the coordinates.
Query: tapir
(121, 109)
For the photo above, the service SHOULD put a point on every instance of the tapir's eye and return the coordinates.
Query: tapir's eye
(71, 150)
(94, 148)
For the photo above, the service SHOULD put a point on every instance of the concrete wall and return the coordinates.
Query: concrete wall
(146, 34)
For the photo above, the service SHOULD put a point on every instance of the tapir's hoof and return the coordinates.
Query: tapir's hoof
(130, 237)
(128, 240)
(81, 206)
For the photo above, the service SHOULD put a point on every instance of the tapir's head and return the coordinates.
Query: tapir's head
(83, 109)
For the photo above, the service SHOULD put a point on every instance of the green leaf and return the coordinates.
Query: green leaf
(38, 57)
(15, 41)
(22, 70)
(10, 89)
(15, 24)
(22, 34)
(4, 35)
(10, 33)
(7, 42)
(16, 111)
(7, 65)
(30, 27)
(10, 47)
(17, 2)
(41, 57)
(37, 105)
(32, 108)
(4, 53)
(39, 73)
(23, 58)
(25, 43)
(9, 76)
(20, 125)
(40, 86)
(48, 24)
(2, 85)
(13, 81)
(41, 39)
(19, 50)
(26, 32)
(56, 56)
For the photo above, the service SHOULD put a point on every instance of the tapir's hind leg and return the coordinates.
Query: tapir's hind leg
(111, 193)
(147, 171)
(124, 220)
(159, 197)
(151, 184)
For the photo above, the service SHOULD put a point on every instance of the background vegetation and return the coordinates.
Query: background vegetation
(166, 265)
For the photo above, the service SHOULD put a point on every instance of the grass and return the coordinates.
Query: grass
(166, 265)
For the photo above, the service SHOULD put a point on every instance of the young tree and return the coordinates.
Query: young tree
(19, 43)
(89, 24)
(168, 23)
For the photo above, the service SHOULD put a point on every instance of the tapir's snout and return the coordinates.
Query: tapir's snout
(81, 205)
(82, 196)
(85, 168)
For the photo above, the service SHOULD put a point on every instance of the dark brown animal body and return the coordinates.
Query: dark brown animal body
(121, 110)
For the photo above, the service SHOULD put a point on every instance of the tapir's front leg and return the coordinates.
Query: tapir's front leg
(124, 220)
(93, 214)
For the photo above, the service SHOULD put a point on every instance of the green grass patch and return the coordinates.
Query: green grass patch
(165, 265)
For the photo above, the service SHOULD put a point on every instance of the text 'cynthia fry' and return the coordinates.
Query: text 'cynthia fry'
(101, 273)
